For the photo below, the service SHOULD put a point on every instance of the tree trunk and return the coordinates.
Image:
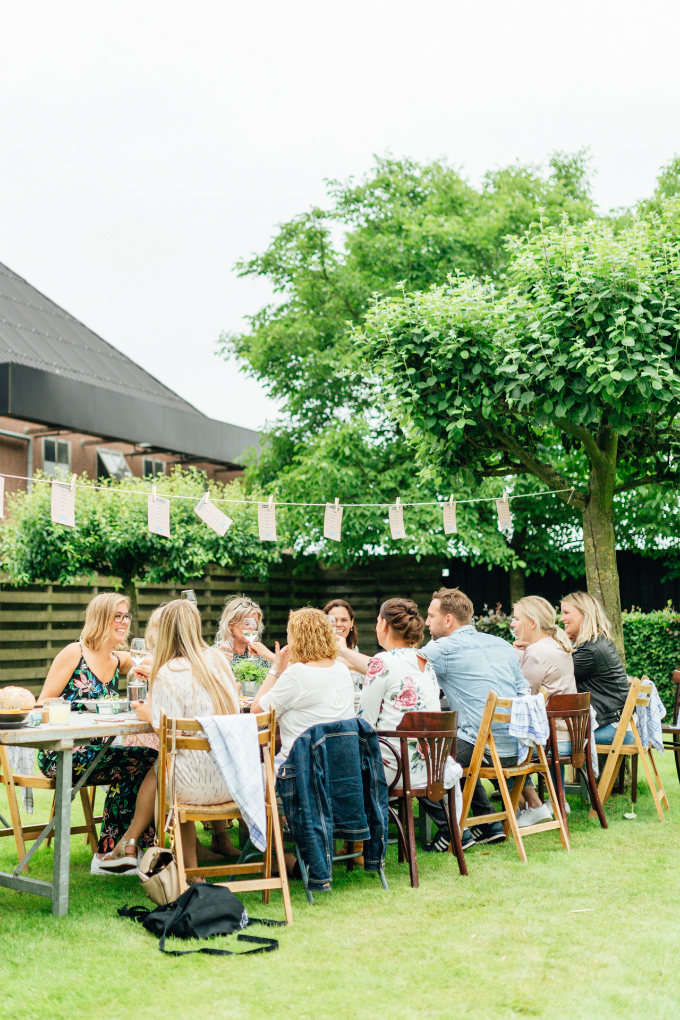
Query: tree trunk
(599, 542)
(130, 589)
(517, 585)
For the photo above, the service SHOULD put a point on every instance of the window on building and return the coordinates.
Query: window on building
(57, 457)
(112, 464)
(152, 468)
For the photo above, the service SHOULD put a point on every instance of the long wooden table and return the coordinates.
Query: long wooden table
(83, 728)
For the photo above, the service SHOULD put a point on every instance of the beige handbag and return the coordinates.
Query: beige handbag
(159, 876)
(158, 868)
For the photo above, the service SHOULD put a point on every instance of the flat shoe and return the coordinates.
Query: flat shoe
(118, 865)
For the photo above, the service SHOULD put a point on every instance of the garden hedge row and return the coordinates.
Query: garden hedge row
(652, 645)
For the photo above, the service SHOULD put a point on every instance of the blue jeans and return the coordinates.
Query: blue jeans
(606, 734)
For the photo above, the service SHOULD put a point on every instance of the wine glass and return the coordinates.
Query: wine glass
(137, 650)
(337, 627)
(250, 629)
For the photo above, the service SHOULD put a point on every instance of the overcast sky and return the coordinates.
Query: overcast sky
(147, 145)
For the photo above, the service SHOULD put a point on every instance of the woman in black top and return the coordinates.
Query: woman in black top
(597, 664)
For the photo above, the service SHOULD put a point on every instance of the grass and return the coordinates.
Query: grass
(506, 942)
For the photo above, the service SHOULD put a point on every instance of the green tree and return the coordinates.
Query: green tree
(579, 356)
(111, 534)
(404, 225)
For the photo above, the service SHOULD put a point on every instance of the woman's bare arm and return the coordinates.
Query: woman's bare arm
(60, 671)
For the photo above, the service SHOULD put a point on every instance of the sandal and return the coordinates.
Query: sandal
(121, 861)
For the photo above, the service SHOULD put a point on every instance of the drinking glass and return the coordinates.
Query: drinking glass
(250, 629)
(337, 627)
(137, 650)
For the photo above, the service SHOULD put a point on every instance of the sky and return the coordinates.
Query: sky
(146, 146)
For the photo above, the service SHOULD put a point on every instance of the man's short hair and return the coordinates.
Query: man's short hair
(455, 602)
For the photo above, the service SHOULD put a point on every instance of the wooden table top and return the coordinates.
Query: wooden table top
(84, 726)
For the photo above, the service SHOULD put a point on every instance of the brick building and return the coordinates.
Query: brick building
(70, 402)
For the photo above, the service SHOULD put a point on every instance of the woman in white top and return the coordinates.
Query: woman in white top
(307, 685)
(188, 679)
(546, 660)
(399, 680)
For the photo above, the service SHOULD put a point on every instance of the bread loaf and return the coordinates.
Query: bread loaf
(16, 698)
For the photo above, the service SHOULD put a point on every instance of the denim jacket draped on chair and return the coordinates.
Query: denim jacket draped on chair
(333, 786)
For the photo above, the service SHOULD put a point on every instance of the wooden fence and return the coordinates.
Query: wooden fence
(37, 620)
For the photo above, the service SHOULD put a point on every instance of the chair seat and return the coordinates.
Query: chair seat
(208, 810)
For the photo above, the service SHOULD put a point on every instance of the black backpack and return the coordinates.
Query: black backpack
(202, 912)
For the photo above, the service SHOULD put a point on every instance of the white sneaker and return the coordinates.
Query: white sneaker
(534, 815)
(549, 806)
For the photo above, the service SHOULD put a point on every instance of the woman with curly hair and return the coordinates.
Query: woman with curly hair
(306, 685)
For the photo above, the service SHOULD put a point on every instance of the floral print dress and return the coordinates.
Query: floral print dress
(121, 768)
(393, 686)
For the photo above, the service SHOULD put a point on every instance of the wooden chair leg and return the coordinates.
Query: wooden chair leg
(622, 775)
(508, 805)
(411, 842)
(456, 844)
(270, 794)
(267, 856)
(179, 854)
(561, 799)
(591, 787)
(656, 796)
(87, 836)
(633, 778)
(662, 792)
(13, 803)
(91, 835)
(48, 841)
(401, 844)
(557, 809)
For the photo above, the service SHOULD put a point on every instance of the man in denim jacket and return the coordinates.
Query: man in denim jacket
(468, 665)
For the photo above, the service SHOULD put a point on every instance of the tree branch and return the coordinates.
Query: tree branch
(586, 437)
(553, 479)
(646, 480)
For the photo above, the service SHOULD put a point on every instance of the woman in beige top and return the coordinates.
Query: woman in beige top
(546, 661)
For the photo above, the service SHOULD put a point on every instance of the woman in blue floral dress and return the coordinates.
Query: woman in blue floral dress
(90, 669)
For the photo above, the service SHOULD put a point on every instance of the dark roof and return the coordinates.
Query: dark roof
(56, 371)
(36, 332)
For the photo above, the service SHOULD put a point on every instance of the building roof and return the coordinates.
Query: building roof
(56, 371)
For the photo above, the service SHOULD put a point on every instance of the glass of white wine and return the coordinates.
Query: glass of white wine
(337, 627)
(137, 650)
(250, 631)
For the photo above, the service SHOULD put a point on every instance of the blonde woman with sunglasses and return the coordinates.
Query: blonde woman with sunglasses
(230, 639)
(90, 669)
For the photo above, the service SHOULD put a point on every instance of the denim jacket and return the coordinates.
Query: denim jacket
(333, 786)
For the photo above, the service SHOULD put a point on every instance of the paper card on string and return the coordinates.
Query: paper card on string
(2, 495)
(504, 515)
(158, 515)
(266, 521)
(450, 523)
(213, 517)
(332, 521)
(63, 504)
(396, 513)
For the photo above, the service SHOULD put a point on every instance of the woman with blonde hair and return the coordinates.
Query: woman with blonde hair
(188, 679)
(89, 669)
(230, 639)
(306, 685)
(597, 664)
(546, 660)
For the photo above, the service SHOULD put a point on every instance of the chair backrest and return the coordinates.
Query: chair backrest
(266, 725)
(645, 692)
(436, 736)
(574, 709)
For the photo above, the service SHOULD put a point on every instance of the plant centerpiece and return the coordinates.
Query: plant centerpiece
(249, 673)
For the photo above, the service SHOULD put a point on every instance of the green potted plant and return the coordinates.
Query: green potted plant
(250, 675)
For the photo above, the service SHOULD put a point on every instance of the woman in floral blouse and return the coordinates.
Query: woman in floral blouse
(399, 680)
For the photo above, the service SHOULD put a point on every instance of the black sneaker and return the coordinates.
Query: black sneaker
(488, 833)
(440, 843)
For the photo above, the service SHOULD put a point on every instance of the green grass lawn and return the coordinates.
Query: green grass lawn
(506, 942)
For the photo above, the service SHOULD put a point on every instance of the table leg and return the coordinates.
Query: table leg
(62, 834)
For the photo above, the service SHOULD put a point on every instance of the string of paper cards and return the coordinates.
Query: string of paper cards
(63, 509)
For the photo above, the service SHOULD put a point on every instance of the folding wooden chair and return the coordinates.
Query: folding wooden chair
(638, 695)
(22, 832)
(671, 731)
(436, 736)
(497, 710)
(186, 812)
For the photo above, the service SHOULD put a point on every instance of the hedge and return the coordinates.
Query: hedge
(652, 644)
